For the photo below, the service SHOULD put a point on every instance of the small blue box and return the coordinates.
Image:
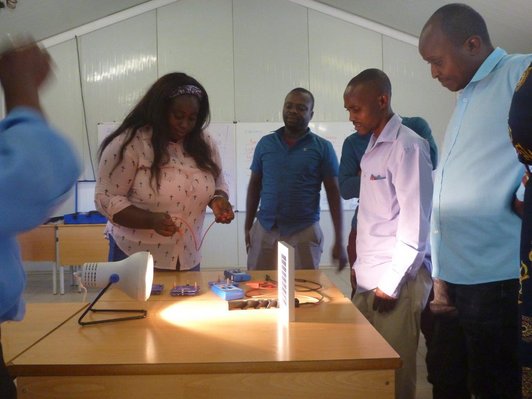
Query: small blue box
(84, 207)
(227, 292)
(236, 275)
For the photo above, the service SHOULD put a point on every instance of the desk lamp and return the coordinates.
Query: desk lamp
(133, 275)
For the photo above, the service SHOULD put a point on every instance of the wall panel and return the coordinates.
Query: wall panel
(338, 51)
(414, 92)
(118, 64)
(196, 37)
(271, 56)
(61, 100)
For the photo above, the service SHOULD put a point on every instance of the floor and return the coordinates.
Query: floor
(39, 289)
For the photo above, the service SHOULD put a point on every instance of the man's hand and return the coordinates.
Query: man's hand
(353, 282)
(247, 238)
(382, 302)
(23, 69)
(339, 254)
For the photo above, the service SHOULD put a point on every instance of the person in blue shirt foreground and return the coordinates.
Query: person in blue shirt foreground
(393, 253)
(475, 231)
(38, 167)
(288, 168)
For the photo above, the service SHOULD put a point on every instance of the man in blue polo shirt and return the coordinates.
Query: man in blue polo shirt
(288, 168)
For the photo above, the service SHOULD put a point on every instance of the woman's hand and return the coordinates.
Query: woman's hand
(163, 224)
(222, 210)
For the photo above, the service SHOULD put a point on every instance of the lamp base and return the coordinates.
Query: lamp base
(140, 313)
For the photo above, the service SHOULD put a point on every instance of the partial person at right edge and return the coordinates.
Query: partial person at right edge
(475, 231)
(38, 167)
(520, 129)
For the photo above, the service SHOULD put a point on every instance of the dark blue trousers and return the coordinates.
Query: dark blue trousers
(477, 352)
(7, 386)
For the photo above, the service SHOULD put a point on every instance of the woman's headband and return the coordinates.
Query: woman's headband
(187, 89)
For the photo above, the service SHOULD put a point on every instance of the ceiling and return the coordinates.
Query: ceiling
(46, 18)
(508, 20)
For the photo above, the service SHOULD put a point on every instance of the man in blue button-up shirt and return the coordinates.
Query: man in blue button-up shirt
(288, 168)
(37, 170)
(475, 232)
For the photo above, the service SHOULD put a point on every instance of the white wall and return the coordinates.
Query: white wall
(248, 54)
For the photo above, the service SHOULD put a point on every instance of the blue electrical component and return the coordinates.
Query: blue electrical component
(211, 283)
(236, 275)
(185, 290)
(157, 289)
(227, 292)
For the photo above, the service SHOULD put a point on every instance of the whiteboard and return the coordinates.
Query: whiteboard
(84, 196)
(248, 135)
(223, 134)
(336, 133)
(105, 129)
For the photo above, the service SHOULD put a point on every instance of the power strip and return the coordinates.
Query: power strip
(253, 304)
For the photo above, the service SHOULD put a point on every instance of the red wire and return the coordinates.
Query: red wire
(192, 232)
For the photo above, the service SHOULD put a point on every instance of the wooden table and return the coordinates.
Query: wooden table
(195, 347)
(40, 320)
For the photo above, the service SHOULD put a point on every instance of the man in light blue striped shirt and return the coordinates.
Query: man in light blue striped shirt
(475, 231)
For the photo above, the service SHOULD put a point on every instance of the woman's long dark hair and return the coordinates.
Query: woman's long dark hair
(153, 110)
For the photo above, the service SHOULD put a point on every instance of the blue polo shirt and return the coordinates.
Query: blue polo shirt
(475, 233)
(291, 179)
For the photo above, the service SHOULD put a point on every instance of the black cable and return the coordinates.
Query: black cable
(315, 289)
(84, 109)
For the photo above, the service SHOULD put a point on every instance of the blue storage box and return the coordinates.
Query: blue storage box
(84, 205)
(92, 217)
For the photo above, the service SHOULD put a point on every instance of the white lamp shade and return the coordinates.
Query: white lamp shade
(135, 275)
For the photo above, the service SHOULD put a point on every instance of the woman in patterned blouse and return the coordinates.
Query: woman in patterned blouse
(157, 174)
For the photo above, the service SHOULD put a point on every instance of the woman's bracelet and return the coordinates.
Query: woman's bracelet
(216, 196)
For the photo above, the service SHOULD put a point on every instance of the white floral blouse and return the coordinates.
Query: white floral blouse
(184, 193)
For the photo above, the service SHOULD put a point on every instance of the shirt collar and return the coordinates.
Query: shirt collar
(389, 133)
(489, 64)
(280, 133)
